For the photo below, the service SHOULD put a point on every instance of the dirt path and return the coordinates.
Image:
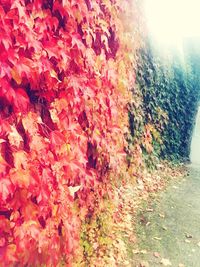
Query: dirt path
(169, 228)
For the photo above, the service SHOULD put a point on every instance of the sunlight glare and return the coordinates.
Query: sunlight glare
(170, 21)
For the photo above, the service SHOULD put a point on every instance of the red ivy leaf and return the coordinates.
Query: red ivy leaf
(21, 100)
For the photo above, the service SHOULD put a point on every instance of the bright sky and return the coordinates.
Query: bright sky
(171, 20)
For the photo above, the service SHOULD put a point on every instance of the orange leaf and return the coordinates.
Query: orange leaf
(16, 76)
(20, 159)
(20, 178)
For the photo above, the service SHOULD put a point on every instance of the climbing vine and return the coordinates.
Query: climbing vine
(65, 74)
(170, 94)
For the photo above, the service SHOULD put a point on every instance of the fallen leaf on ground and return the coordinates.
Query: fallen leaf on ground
(149, 210)
(135, 251)
(188, 235)
(132, 238)
(166, 262)
(144, 264)
(162, 215)
(157, 238)
(143, 251)
(156, 254)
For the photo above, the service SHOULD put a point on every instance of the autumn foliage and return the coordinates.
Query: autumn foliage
(65, 72)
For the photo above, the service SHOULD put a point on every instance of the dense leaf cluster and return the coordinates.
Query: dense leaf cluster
(65, 68)
(170, 94)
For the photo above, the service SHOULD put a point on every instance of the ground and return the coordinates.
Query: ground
(168, 228)
(168, 225)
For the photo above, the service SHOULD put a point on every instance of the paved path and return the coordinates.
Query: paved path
(170, 227)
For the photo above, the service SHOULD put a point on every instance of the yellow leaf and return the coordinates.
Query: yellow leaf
(97, 132)
(16, 76)
(68, 147)
(54, 210)
(53, 74)
(20, 177)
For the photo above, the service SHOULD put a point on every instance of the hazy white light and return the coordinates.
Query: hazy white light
(170, 21)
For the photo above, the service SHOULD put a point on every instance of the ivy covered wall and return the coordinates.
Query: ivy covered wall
(169, 87)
